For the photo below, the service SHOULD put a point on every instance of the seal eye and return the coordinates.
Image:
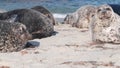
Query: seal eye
(92, 15)
(108, 9)
(99, 10)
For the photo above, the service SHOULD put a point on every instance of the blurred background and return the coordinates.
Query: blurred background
(59, 8)
(55, 6)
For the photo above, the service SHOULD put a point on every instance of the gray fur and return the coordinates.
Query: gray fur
(44, 11)
(37, 24)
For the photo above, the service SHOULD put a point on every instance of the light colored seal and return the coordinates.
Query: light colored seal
(81, 17)
(105, 25)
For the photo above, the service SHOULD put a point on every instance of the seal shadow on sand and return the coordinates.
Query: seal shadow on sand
(33, 44)
(54, 33)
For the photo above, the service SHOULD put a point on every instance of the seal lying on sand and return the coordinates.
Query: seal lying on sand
(13, 36)
(82, 17)
(106, 25)
(37, 24)
(71, 18)
(47, 13)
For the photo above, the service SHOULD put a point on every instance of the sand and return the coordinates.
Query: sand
(70, 47)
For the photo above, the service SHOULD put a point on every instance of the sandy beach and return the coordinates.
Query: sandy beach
(69, 48)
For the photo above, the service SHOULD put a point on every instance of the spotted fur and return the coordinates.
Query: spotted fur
(13, 36)
(105, 25)
(82, 17)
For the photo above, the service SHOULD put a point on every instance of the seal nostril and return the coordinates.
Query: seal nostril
(104, 12)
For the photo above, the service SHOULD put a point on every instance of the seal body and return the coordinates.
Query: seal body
(46, 12)
(13, 36)
(71, 18)
(37, 24)
(106, 25)
(81, 17)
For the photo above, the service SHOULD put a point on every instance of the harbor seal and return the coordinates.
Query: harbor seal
(38, 25)
(13, 36)
(81, 17)
(46, 12)
(71, 18)
(106, 25)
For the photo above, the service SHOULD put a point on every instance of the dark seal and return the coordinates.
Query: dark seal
(116, 8)
(13, 36)
(46, 12)
(37, 24)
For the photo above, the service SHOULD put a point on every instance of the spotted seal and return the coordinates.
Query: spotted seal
(46, 12)
(81, 17)
(106, 25)
(13, 36)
